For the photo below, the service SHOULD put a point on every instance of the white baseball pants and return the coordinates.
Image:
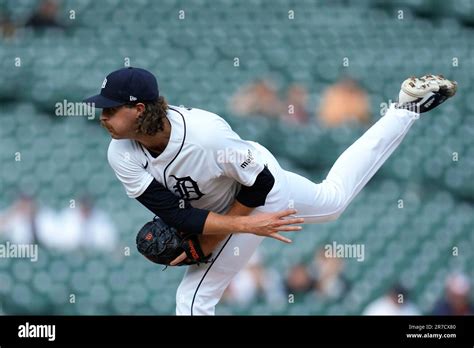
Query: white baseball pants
(203, 285)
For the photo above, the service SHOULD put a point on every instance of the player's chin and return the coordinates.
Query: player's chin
(114, 134)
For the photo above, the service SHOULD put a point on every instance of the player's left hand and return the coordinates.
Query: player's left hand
(162, 244)
(208, 244)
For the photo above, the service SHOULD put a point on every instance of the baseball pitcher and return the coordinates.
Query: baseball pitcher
(215, 195)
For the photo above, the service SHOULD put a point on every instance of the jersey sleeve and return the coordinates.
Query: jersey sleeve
(234, 157)
(256, 195)
(181, 215)
(128, 169)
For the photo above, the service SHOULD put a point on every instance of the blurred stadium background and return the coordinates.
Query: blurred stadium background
(63, 158)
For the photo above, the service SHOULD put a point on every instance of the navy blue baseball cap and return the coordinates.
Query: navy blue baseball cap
(125, 86)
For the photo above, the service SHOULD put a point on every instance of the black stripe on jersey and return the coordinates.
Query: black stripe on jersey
(144, 152)
(181, 147)
(152, 154)
(207, 271)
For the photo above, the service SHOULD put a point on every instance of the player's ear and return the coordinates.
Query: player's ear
(140, 108)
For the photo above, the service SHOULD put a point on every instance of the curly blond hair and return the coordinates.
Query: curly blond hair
(151, 120)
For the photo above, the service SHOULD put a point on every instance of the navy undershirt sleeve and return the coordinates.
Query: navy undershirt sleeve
(175, 212)
(255, 195)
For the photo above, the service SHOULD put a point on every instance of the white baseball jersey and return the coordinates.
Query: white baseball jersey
(204, 162)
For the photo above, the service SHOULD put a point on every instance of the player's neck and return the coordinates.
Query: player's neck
(158, 142)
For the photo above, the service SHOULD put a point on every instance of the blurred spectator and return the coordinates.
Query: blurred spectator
(254, 283)
(296, 104)
(395, 302)
(85, 226)
(7, 27)
(45, 16)
(298, 281)
(329, 280)
(342, 103)
(456, 299)
(25, 223)
(258, 98)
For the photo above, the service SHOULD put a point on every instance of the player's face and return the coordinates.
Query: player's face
(120, 121)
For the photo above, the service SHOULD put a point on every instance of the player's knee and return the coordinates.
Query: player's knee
(335, 214)
(195, 301)
(183, 303)
(183, 300)
(336, 200)
(194, 306)
(338, 209)
(333, 217)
